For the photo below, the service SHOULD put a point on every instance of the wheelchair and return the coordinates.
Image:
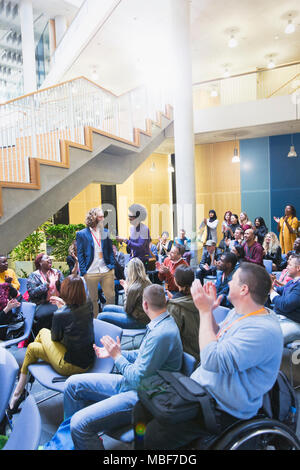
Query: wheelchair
(258, 433)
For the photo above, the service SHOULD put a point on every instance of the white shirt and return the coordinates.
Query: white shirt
(98, 264)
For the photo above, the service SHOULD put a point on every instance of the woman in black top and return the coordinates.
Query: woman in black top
(261, 229)
(234, 224)
(68, 347)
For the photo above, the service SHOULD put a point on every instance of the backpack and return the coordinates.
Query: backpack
(280, 402)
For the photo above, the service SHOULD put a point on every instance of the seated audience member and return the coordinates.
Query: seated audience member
(211, 225)
(184, 312)
(208, 263)
(238, 238)
(167, 269)
(254, 252)
(183, 240)
(164, 245)
(239, 252)
(226, 268)
(240, 358)
(114, 395)
(296, 247)
(284, 277)
(244, 221)
(286, 299)
(234, 224)
(8, 275)
(272, 250)
(72, 259)
(131, 314)
(9, 312)
(41, 285)
(68, 347)
(261, 229)
(119, 271)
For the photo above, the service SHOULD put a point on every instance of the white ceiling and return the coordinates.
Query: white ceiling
(137, 36)
(137, 40)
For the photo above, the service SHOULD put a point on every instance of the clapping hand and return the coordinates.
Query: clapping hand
(101, 353)
(54, 300)
(276, 219)
(205, 297)
(112, 347)
(12, 303)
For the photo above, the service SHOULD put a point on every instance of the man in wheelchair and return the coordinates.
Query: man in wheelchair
(240, 361)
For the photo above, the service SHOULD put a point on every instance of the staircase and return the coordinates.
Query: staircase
(56, 141)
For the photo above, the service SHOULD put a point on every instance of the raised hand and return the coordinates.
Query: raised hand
(112, 347)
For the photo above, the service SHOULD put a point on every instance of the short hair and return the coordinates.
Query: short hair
(155, 296)
(297, 257)
(230, 258)
(258, 281)
(180, 248)
(72, 290)
(38, 259)
(91, 216)
(184, 276)
(165, 233)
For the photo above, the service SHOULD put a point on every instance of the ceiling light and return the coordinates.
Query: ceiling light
(235, 158)
(292, 152)
(214, 93)
(95, 75)
(290, 27)
(152, 168)
(232, 41)
(271, 64)
(226, 73)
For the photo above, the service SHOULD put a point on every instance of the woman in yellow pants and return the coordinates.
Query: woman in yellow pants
(68, 347)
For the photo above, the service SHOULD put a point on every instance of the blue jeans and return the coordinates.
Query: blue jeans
(95, 404)
(116, 315)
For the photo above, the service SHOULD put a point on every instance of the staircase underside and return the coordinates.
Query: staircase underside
(103, 159)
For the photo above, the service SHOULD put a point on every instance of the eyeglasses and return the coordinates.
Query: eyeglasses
(132, 217)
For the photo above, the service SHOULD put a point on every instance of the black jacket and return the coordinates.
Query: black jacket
(73, 327)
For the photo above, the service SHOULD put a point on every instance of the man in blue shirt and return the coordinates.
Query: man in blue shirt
(240, 358)
(286, 301)
(114, 395)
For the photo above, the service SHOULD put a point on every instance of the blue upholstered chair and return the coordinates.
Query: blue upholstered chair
(8, 373)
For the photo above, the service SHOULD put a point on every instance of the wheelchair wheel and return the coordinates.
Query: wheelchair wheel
(258, 434)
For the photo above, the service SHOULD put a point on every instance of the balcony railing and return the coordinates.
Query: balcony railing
(33, 125)
(257, 85)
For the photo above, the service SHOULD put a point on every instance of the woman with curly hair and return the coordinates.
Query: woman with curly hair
(96, 257)
(41, 285)
(287, 227)
(131, 314)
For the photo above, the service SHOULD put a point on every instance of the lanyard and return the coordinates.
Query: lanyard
(97, 241)
(220, 333)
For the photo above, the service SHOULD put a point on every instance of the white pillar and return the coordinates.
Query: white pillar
(183, 118)
(60, 27)
(28, 46)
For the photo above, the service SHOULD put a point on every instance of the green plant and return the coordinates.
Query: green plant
(60, 237)
(29, 248)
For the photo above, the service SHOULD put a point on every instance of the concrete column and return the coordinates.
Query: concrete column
(28, 46)
(183, 117)
(60, 27)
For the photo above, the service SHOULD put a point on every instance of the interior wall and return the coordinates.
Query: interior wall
(217, 181)
(84, 201)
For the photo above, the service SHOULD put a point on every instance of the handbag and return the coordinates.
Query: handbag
(172, 397)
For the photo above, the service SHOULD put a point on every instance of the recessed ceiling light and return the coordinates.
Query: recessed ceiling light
(271, 64)
(290, 27)
(232, 41)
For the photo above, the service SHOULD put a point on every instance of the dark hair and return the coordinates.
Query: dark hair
(258, 281)
(261, 221)
(293, 209)
(155, 296)
(231, 258)
(180, 248)
(38, 259)
(236, 216)
(214, 216)
(241, 252)
(72, 290)
(184, 277)
(297, 257)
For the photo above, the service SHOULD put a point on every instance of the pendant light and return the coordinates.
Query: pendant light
(235, 158)
(290, 27)
(292, 153)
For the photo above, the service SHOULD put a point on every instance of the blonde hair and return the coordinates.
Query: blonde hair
(274, 243)
(246, 216)
(91, 216)
(136, 273)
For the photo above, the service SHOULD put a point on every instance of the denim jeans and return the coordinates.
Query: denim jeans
(95, 404)
(116, 315)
